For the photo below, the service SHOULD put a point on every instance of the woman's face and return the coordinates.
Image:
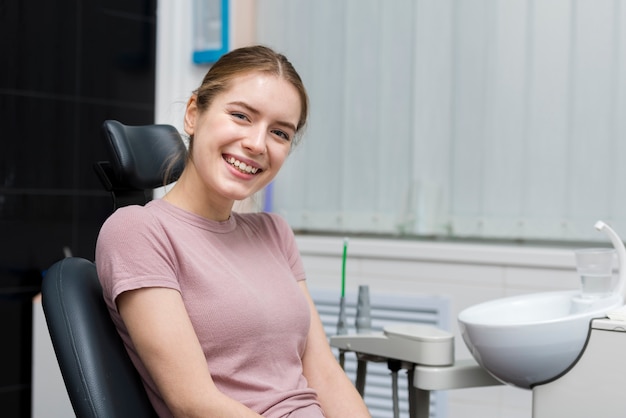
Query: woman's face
(242, 140)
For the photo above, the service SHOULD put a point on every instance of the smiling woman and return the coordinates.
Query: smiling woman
(212, 304)
(249, 125)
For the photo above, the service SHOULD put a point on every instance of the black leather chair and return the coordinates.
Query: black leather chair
(99, 377)
(139, 159)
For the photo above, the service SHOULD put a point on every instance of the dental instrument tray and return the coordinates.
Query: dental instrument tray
(412, 343)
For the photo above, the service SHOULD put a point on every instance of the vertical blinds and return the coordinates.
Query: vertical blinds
(482, 119)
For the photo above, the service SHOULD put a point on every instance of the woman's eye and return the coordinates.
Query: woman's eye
(239, 116)
(282, 134)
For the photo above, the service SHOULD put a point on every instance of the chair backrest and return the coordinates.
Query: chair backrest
(138, 160)
(100, 379)
(99, 376)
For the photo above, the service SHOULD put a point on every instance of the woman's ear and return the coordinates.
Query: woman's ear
(191, 113)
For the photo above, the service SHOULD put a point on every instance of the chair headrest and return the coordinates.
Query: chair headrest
(140, 155)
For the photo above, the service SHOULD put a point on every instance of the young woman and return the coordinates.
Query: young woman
(211, 304)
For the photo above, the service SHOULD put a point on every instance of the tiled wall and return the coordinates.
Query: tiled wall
(467, 274)
(66, 67)
(70, 65)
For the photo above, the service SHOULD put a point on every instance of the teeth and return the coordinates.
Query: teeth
(243, 167)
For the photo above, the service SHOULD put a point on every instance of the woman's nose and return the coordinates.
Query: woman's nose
(255, 142)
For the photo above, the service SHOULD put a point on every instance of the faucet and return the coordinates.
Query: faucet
(621, 255)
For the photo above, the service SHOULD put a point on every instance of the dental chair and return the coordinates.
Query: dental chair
(139, 158)
(99, 376)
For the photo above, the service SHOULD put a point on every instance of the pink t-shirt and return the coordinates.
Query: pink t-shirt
(238, 280)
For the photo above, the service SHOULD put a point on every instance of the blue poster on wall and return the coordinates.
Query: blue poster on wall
(210, 30)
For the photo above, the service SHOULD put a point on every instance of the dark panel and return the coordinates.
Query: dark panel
(68, 141)
(17, 287)
(139, 8)
(39, 228)
(15, 402)
(117, 50)
(39, 154)
(91, 213)
(67, 65)
(38, 40)
(16, 315)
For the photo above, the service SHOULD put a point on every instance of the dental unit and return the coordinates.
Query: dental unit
(563, 346)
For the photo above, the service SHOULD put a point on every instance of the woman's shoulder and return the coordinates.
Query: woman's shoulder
(132, 229)
(127, 215)
(132, 221)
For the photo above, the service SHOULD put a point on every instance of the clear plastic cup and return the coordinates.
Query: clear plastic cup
(595, 268)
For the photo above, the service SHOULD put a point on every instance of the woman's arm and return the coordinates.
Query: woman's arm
(336, 393)
(166, 342)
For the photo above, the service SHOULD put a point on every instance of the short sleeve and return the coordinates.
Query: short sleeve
(132, 252)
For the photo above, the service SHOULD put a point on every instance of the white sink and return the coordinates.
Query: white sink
(529, 339)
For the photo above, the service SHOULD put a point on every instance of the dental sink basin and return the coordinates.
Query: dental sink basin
(530, 339)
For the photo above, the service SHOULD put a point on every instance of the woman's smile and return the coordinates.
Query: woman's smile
(247, 167)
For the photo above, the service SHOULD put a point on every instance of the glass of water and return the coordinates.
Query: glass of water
(595, 267)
